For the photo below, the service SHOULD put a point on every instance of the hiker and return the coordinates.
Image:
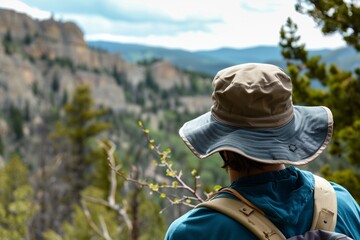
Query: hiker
(261, 136)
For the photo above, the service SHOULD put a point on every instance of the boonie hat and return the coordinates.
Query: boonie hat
(253, 115)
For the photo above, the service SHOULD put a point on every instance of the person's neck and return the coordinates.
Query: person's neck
(234, 175)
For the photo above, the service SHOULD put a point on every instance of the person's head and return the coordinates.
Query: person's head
(253, 116)
(239, 166)
(237, 162)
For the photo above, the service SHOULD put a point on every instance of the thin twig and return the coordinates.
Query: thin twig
(92, 223)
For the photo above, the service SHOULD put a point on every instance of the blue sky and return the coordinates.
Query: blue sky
(183, 24)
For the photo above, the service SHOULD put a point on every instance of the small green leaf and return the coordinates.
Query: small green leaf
(140, 123)
(217, 187)
(170, 173)
(154, 187)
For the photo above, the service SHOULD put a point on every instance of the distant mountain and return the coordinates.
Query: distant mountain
(254, 54)
(345, 58)
(213, 60)
(193, 61)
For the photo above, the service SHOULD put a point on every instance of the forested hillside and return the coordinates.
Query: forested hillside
(59, 101)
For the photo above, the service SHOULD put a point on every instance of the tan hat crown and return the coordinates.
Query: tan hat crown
(252, 95)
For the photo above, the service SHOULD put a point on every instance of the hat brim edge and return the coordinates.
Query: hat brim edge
(278, 161)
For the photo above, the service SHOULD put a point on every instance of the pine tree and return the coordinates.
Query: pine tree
(74, 138)
(16, 200)
(16, 122)
(335, 16)
(79, 127)
(340, 89)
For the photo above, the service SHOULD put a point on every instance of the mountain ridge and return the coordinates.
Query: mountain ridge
(210, 61)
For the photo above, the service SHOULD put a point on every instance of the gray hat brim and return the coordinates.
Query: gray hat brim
(298, 142)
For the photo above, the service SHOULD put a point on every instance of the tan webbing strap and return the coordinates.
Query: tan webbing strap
(250, 218)
(325, 205)
(254, 219)
(242, 198)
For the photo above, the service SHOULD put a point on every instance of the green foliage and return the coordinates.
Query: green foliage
(199, 86)
(27, 114)
(340, 89)
(87, 218)
(86, 168)
(172, 121)
(179, 174)
(120, 77)
(149, 62)
(151, 222)
(288, 40)
(335, 16)
(76, 132)
(340, 93)
(100, 177)
(65, 63)
(65, 97)
(9, 45)
(28, 39)
(150, 81)
(16, 122)
(345, 177)
(2, 146)
(35, 88)
(351, 134)
(111, 212)
(16, 200)
(55, 84)
(81, 120)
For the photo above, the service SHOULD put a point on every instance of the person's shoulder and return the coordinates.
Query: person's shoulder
(343, 195)
(203, 223)
(348, 212)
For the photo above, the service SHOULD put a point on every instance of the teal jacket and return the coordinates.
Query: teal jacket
(286, 197)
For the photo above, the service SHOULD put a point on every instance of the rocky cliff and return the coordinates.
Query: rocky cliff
(43, 60)
(52, 39)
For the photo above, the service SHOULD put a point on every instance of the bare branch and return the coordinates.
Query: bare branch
(92, 223)
(113, 183)
(105, 231)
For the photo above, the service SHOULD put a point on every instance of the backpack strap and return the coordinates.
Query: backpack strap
(325, 205)
(254, 219)
(247, 214)
(240, 197)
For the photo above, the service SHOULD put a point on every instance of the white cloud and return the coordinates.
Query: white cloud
(177, 10)
(20, 6)
(188, 24)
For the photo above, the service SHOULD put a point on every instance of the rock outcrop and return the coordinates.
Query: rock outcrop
(43, 60)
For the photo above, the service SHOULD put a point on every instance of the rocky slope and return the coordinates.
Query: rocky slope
(42, 61)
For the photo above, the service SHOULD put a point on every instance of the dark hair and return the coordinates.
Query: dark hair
(239, 162)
